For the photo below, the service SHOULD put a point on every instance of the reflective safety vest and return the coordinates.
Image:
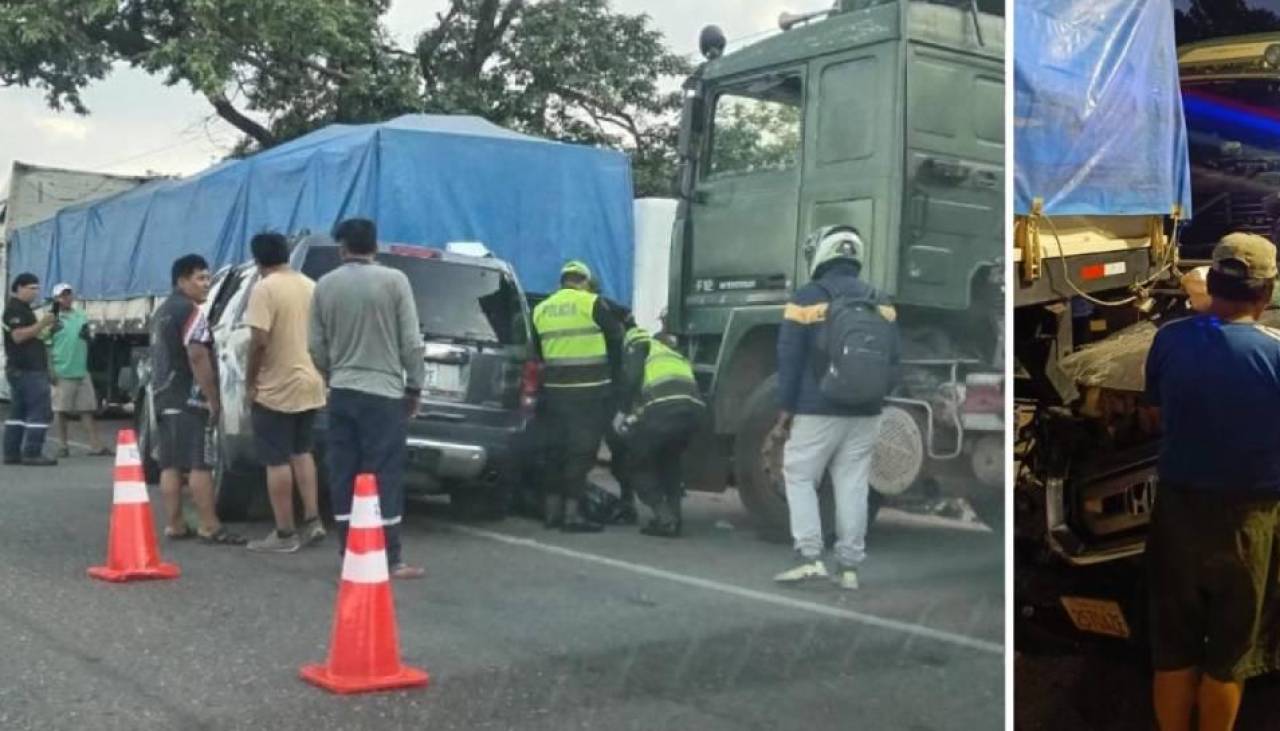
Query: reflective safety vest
(667, 377)
(573, 346)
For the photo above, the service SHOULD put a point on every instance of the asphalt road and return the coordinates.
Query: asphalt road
(519, 628)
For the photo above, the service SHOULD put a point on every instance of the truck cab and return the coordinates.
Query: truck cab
(887, 116)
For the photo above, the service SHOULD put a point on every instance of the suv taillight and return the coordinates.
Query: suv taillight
(983, 393)
(530, 383)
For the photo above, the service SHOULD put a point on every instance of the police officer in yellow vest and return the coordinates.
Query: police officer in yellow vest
(581, 344)
(660, 410)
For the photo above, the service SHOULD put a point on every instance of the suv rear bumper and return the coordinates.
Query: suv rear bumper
(453, 460)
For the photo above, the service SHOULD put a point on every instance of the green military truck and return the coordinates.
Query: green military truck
(887, 115)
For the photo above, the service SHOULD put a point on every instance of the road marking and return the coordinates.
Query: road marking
(738, 591)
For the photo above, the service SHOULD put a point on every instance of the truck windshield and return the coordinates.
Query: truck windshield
(455, 301)
(756, 127)
(1233, 130)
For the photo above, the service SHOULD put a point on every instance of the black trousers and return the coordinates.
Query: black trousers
(654, 448)
(573, 423)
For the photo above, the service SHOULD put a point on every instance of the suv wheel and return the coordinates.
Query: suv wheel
(145, 432)
(238, 494)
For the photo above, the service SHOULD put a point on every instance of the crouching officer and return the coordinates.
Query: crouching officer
(580, 340)
(661, 410)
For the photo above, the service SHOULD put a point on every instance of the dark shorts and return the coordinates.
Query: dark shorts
(1212, 564)
(277, 435)
(182, 441)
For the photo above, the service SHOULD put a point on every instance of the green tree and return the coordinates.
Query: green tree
(300, 62)
(571, 70)
(752, 135)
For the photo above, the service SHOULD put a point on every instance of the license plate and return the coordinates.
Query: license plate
(1098, 616)
(444, 378)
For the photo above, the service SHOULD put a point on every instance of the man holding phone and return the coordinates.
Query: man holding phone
(27, 371)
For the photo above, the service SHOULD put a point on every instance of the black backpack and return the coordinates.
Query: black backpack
(857, 343)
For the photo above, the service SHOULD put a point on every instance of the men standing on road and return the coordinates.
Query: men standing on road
(27, 371)
(830, 404)
(73, 394)
(366, 340)
(660, 411)
(184, 387)
(284, 390)
(580, 341)
(1212, 548)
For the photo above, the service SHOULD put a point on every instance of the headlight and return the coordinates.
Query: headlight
(1271, 56)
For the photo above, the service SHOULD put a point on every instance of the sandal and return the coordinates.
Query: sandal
(185, 534)
(404, 571)
(223, 537)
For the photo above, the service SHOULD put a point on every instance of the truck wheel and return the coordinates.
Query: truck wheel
(990, 510)
(145, 434)
(758, 470)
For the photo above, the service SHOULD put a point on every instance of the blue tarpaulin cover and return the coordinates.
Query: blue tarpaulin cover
(1098, 125)
(426, 180)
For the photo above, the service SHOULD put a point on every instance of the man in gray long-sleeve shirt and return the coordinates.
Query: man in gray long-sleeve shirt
(366, 340)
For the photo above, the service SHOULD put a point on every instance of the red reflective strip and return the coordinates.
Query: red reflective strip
(129, 473)
(365, 540)
(1093, 271)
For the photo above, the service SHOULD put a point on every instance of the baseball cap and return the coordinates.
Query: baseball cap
(576, 267)
(1245, 256)
(60, 288)
(25, 279)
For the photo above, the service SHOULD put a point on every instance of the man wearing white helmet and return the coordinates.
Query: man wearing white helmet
(832, 418)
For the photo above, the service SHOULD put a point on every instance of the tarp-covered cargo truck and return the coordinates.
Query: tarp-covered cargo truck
(887, 116)
(36, 194)
(425, 180)
(1103, 194)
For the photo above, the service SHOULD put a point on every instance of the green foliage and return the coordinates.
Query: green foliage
(752, 136)
(571, 70)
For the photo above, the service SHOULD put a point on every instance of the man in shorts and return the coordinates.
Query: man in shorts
(184, 388)
(1211, 552)
(73, 394)
(284, 391)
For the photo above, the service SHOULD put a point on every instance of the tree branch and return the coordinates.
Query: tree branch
(228, 112)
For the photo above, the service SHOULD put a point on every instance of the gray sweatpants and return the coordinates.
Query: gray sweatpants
(843, 444)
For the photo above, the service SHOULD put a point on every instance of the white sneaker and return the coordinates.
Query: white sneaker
(814, 569)
(847, 578)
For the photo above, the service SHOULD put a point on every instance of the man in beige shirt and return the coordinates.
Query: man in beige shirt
(284, 391)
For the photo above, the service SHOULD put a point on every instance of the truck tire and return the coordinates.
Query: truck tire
(759, 476)
(146, 436)
(990, 510)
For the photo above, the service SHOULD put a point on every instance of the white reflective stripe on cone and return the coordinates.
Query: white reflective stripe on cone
(365, 513)
(127, 456)
(128, 493)
(365, 568)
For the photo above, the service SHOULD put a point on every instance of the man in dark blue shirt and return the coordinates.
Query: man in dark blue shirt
(27, 370)
(1212, 549)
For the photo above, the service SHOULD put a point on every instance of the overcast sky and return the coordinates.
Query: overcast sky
(136, 124)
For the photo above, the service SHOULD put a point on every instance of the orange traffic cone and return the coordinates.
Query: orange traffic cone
(364, 649)
(131, 548)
